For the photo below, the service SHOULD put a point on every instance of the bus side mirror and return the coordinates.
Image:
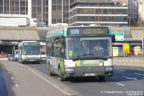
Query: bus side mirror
(113, 38)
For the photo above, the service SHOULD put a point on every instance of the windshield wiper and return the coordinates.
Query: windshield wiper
(78, 58)
(101, 57)
(89, 58)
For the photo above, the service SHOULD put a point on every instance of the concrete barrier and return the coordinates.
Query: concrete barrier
(129, 61)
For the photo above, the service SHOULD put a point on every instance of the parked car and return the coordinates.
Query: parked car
(11, 57)
(4, 54)
(43, 56)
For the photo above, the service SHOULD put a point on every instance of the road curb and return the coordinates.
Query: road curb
(8, 81)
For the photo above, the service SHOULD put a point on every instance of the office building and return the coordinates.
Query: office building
(58, 11)
(100, 12)
(14, 10)
(47, 11)
(73, 12)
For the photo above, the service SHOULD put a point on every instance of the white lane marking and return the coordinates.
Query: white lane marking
(139, 74)
(16, 85)
(60, 89)
(12, 77)
(129, 78)
(9, 72)
(120, 84)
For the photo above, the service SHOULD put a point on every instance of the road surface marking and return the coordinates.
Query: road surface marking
(129, 78)
(120, 84)
(60, 89)
(139, 74)
(16, 85)
(12, 77)
(9, 72)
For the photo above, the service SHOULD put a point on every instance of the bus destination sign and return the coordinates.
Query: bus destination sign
(31, 43)
(88, 31)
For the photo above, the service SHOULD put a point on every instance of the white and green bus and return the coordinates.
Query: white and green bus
(29, 51)
(80, 52)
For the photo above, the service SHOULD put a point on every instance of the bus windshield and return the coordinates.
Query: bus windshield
(88, 48)
(31, 50)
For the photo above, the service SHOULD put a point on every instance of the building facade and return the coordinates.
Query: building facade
(50, 11)
(133, 10)
(58, 11)
(47, 11)
(14, 7)
(73, 12)
(39, 10)
(100, 12)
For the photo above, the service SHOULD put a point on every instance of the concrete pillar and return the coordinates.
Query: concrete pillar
(29, 9)
(49, 12)
(62, 10)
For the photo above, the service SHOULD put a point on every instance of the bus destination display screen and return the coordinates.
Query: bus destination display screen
(88, 31)
(31, 44)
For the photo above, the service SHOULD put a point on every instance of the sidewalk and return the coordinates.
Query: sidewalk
(25, 81)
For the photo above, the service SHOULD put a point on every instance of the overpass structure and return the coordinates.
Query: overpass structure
(11, 36)
(17, 34)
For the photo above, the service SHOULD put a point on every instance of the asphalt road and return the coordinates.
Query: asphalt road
(127, 81)
(3, 90)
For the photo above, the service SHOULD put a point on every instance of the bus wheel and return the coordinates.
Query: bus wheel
(62, 78)
(51, 73)
(38, 62)
(101, 78)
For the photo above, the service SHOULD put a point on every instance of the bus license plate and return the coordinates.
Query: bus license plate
(31, 60)
(89, 74)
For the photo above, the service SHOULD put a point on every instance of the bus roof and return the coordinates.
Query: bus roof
(29, 41)
(21, 43)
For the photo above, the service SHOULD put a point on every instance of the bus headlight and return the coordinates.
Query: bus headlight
(109, 68)
(69, 70)
(24, 57)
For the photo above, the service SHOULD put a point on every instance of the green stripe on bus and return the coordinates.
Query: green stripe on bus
(62, 64)
(55, 34)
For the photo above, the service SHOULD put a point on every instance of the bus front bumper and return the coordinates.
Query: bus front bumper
(89, 71)
(31, 59)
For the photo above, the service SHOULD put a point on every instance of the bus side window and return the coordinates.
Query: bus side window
(58, 47)
(50, 49)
